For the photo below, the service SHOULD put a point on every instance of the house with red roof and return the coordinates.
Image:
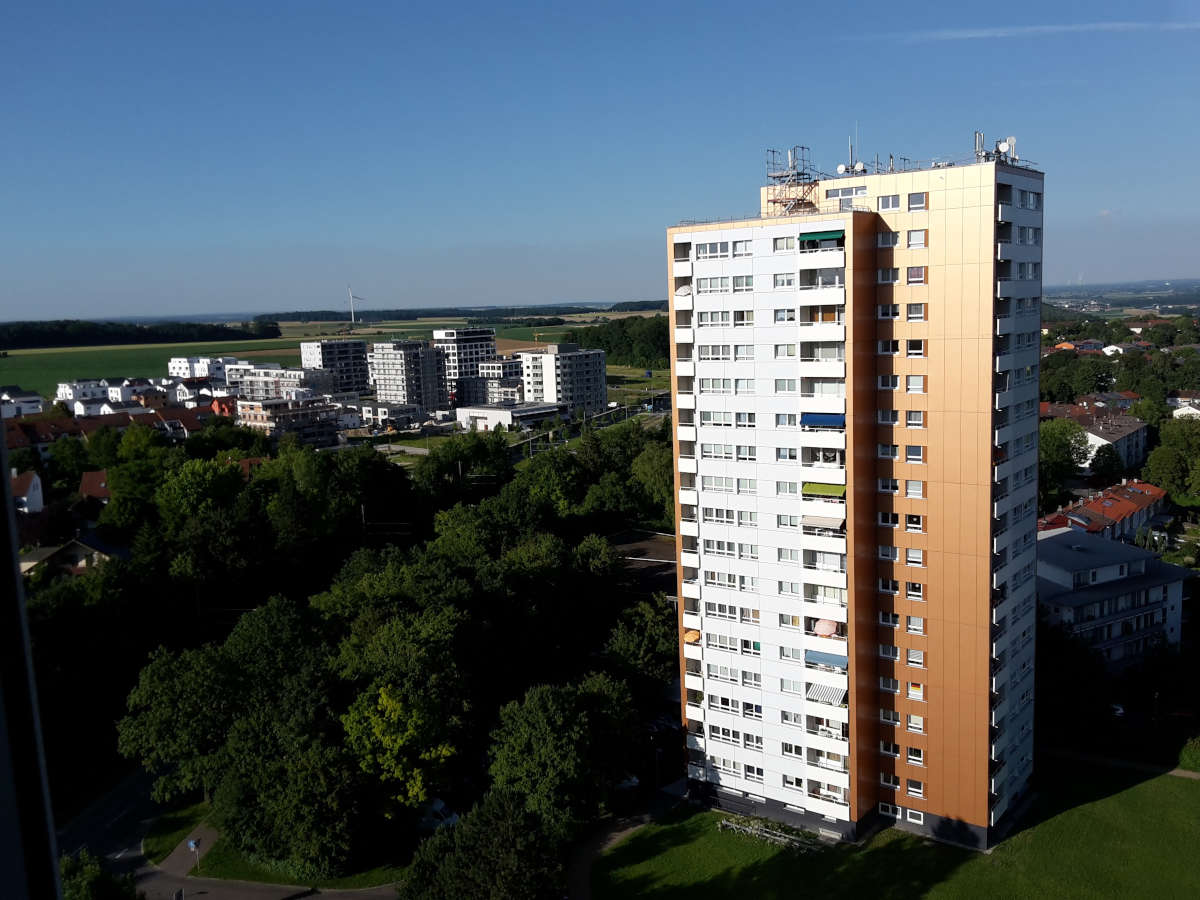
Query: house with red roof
(1116, 512)
(94, 486)
(27, 492)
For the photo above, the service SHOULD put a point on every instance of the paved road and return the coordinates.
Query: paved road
(114, 826)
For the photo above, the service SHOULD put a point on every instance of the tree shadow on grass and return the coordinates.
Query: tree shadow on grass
(892, 864)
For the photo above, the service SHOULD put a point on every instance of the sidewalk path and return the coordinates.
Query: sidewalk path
(181, 860)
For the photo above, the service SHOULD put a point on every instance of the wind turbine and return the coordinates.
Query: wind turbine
(352, 299)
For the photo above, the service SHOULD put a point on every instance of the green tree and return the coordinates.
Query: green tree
(496, 850)
(83, 877)
(1062, 449)
(1152, 412)
(68, 461)
(1106, 465)
(391, 739)
(644, 643)
(1167, 467)
(103, 446)
(654, 469)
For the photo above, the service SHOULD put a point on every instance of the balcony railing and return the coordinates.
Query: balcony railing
(831, 733)
(828, 797)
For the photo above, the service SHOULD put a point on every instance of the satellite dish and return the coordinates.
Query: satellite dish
(1002, 146)
(860, 166)
(841, 169)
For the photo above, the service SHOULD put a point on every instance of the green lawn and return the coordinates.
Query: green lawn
(226, 861)
(629, 384)
(1090, 833)
(549, 333)
(170, 828)
(40, 370)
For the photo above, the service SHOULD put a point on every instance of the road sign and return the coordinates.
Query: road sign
(193, 844)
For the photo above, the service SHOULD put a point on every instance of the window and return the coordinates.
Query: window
(784, 280)
(753, 773)
(717, 419)
(747, 486)
(718, 548)
(723, 734)
(889, 651)
(716, 385)
(916, 312)
(717, 516)
(916, 239)
(889, 780)
(791, 718)
(785, 420)
(916, 724)
(743, 283)
(890, 619)
(751, 710)
(914, 418)
(713, 250)
(722, 673)
(789, 587)
(889, 201)
(887, 451)
(744, 419)
(914, 524)
(742, 248)
(887, 809)
(747, 551)
(888, 553)
(749, 617)
(747, 583)
(915, 816)
(916, 788)
(715, 285)
(914, 489)
(889, 748)
(914, 557)
(743, 385)
(887, 348)
(887, 417)
(914, 384)
(882, 276)
(716, 451)
(885, 239)
(747, 518)
(785, 385)
(917, 201)
(915, 348)
(914, 453)
(718, 483)
(784, 243)
(743, 351)
(916, 658)
(889, 519)
(889, 382)
(916, 690)
(751, 679)
(889, 716)
(717, 317)
(889, 486)
(887, 311)
(784, 350)
(785, 521)
(785, 315)
(890, 685)
(888, 586)
(786, 454)
(787, 487)
(916, 625)
(714, 351)
(742, 317)
(792, 686)
(746, 453)
(916, 591)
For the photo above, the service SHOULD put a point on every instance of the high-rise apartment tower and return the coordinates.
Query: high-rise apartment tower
(855, 377)
(345, 359)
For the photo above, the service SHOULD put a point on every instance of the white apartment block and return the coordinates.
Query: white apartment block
(855, 378)
(562, 373)
(84, 389)
(408, 372)
(212, 367)
(344, 359)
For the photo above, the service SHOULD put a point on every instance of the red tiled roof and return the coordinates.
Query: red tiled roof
(14, 436)
(1113, 505)
(22, 483)
(94, 484)
(91, 424)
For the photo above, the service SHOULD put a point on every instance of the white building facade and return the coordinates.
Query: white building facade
(462, 350)
(344, 359)
(562, 373)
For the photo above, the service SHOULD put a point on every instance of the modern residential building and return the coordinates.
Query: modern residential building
(314, 422)
(408, 372)
(381, 415)
(462, 350)
(502, 377)
(345, 359)
(562, 373)
(1103, 425)
(83, 389)
(1119, 598)
(14, 401)
(209, 367)
(268, 382)
(855, 378)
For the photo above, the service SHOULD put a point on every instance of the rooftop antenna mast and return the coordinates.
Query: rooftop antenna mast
(792, 181)
(352, 299)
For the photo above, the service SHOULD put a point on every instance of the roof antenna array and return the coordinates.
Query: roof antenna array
(793, 181)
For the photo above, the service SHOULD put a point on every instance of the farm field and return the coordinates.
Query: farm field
(628, 384)
(1090, 832)
(41, 370)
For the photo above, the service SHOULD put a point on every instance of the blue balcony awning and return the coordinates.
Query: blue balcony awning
(826, 659)
(823, 420)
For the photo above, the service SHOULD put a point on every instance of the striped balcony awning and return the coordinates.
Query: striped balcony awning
(824, 693)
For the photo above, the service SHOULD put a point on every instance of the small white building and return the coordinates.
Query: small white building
(212, 367)
(562, 373)
(17, 402)
(83, 389)
(1185, 412)
(518, 416)
(399, 415)
(27, 491)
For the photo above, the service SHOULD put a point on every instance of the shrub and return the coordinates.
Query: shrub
(1189, 756)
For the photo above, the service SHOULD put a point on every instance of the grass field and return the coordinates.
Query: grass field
(226, 861)
(627, 384)
(41, 370)
(169, 829)
(549, 333)
(1090, 833)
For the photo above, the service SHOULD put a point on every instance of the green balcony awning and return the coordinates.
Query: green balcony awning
(824, 490)
(823, 235)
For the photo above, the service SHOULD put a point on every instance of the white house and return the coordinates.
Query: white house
(1186, 412)
(521, 415)
(90, 406)
(84, 389)
(27, 491)
(17, 402)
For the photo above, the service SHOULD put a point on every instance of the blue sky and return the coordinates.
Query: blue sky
(170, 157)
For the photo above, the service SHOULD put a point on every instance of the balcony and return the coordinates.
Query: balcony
(822, 258)
(687, 432)
(822, 331)
(685, 400)
(681, 268)
(822, 367)
(685, 368)
(687, 464)
(691, 588)
(684, 336)
(690, 558)
(824, 403)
